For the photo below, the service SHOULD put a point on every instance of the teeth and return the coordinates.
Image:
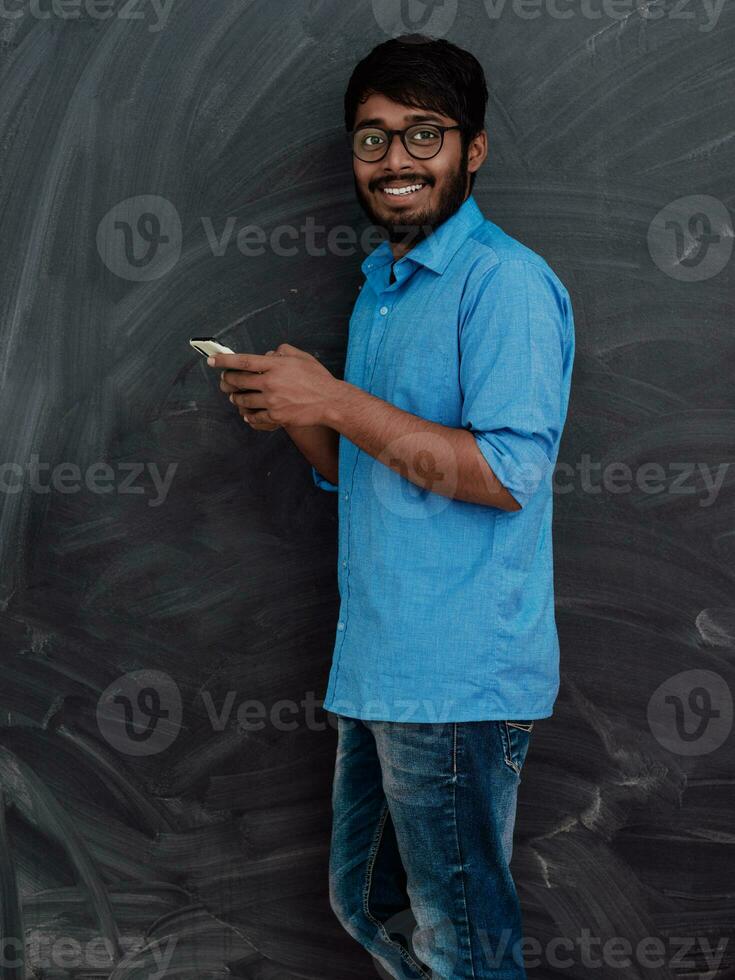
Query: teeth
(398, 191)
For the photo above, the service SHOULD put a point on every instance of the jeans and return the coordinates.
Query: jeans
(422, 836)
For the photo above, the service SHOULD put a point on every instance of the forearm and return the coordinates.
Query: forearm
(435, 457)
(320, 445)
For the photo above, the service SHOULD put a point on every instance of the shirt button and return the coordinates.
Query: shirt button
(340, 626)
(383, 310)
(346, 495)
(344, 564)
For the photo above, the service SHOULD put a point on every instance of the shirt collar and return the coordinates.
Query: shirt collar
(435, 251)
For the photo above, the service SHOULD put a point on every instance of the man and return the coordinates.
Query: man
(441, 441)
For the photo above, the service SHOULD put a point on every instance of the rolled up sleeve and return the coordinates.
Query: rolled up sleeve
(322, 481)
(516, 346)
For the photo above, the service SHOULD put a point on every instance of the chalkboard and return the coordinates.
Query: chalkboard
(168, 593)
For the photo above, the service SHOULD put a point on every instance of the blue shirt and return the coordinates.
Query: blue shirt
(447, 607)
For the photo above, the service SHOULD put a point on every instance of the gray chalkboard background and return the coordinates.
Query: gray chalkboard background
(164, 565)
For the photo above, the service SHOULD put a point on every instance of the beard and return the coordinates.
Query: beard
(423, 223)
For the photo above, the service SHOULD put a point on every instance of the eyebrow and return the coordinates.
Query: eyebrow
(411, 117)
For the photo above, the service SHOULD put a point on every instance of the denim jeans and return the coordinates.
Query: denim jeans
(422, 836)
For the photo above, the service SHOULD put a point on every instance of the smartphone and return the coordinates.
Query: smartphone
(208, 346)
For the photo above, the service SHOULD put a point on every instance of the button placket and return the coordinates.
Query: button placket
(381, 320)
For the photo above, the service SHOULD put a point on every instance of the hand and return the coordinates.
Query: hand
(254, 421)
(285, 387)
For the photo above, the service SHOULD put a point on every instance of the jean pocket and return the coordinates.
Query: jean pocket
(516, 736)
(525, 726)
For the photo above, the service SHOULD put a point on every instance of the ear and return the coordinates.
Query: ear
(477, 151)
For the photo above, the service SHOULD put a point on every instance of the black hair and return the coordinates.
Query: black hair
(423, 72)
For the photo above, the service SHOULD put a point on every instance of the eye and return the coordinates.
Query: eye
(370, 140)
(424, 135)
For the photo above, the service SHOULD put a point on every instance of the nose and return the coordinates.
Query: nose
(397, 157)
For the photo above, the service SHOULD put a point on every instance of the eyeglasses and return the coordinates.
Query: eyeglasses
(423, 141)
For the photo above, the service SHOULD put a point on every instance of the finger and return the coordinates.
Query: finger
(252, 400)
(222, 376)
(262, 426)
(241, 362)
(241, 379)
(257, 418)
(238, 381)
(250, 414)
(227, 387)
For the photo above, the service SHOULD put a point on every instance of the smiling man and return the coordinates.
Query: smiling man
(440, 440)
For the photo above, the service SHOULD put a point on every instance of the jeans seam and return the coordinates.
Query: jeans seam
(366, 896)
(459, 853)
(507, 750)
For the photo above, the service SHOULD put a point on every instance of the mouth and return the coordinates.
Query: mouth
(397, 191)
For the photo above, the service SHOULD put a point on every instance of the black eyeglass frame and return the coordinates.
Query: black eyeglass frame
(390, 133)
